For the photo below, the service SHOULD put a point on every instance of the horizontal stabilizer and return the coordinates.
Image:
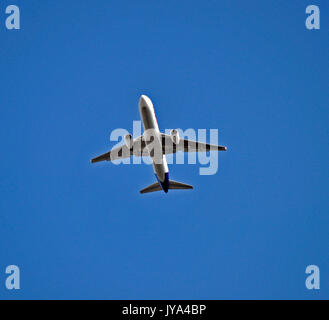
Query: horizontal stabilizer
(178, 185)
(152, 188)
(172, 185)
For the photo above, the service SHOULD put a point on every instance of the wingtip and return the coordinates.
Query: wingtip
(94, 160)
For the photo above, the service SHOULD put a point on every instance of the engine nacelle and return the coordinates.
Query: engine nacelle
(175, 136)
(129, 141)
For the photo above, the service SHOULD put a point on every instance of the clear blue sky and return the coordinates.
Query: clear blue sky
(75, 71)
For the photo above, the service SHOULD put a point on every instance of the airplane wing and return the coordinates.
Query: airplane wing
(123, 152)
(185, 145)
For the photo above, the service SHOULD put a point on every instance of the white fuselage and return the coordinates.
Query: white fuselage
(152, 137)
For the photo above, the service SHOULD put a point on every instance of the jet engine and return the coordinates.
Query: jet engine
(129, 141)
(175, 136)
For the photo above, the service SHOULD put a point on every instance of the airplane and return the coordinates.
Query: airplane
(155, 144)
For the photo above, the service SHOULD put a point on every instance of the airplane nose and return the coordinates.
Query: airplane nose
(143, 100)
